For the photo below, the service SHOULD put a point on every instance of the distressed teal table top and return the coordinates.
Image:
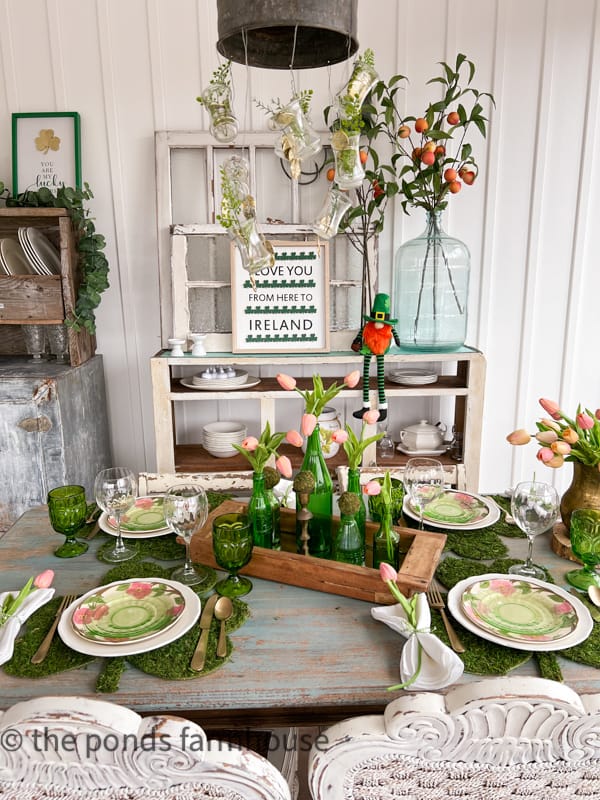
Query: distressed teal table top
(303, 657)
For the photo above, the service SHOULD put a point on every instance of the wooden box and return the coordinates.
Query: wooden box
(423, 551)
(42, 299)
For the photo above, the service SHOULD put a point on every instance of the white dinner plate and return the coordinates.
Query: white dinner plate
(35, 264)
(14, 259)
(579, 634)
(153, 530)
(408, 452)
(412, 377)
(251, 380)
(492, 517)
(44, 250)
(186, 620)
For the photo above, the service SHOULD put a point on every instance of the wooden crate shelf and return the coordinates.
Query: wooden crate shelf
(41, 299)
(422, 553)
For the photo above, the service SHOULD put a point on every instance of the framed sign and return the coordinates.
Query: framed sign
(287, 310)
(46, 151)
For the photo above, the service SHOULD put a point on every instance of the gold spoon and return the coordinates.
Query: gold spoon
(223, 610)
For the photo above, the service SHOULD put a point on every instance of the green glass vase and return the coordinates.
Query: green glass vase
(349, 542)
(354, 487)
(386, 542)
(321, 500)
(260, 512)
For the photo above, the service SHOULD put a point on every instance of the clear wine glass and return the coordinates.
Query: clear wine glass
(423, 481)
(115, 490)
(186, 510)
(534, 507)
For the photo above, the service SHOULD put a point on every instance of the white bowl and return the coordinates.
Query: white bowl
(224, 428)
(220, 452)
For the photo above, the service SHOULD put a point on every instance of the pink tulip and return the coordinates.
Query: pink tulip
(387, 572)
(556, 462)
(550, 423)
(293, 437)
(286, 381)
(308, 424)
(550, 407)
(520, 436)
(570, 436)
(250, 443)
(339, 436)
(372, 488)
(371, 417)
(546, 437)
(44, 579)
(584, 421)
(563, 448)
(352, 379)
(284, 465)
(545, 454)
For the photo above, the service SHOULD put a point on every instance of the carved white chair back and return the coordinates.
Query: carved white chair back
(497, 739)
(233, 482)
(75, 748)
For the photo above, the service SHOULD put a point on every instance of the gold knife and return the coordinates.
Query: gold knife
(197, 662)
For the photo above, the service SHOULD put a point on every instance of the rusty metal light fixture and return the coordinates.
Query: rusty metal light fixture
(284, 34)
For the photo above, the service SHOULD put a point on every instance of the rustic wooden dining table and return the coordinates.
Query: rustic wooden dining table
(302, 658)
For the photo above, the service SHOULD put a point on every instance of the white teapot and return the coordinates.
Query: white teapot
(423, 436)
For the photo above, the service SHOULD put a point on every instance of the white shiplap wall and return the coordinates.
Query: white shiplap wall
(131, 67)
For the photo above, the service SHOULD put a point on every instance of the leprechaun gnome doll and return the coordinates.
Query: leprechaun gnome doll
(375, 340)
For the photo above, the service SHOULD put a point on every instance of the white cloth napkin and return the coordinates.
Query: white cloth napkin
(440, 666)
(10, 629)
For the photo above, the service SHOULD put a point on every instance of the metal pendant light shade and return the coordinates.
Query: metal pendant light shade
(279, 34)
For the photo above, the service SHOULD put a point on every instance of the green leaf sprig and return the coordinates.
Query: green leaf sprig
(355, 446)
(267, 446)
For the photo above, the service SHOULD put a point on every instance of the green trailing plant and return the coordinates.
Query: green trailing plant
(89, 243)
(220, 77)
(276, 107)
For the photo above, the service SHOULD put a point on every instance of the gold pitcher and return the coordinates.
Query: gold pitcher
(584, 491)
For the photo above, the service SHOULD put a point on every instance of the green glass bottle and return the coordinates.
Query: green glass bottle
(272, 478)
(260, 512)
(386, 541)
(348, 540)
(321, 499)
(355, 488)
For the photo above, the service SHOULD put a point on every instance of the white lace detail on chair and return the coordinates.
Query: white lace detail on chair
(391, 777)
(188, 791)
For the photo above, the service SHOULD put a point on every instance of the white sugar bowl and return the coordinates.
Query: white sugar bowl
(423, 436)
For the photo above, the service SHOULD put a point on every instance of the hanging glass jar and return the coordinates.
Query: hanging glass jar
(349, 172)
(321, 499)
(355, 487)
(328, 219)
(348, 541)
(386, 541)
(431, 286)
(260, 513)
(298, 139)
(216, 98)
(255, 251)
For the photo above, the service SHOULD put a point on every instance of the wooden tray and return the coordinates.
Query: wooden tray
(423, 550)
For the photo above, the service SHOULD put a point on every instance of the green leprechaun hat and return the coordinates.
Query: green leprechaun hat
(380, 311)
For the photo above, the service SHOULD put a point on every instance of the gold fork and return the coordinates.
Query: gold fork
(42, 651)
(435, 600)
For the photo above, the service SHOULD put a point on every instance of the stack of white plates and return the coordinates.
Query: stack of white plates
(13, 260)
(217, 382)
(412, 377)
(43, 257)
(218, 437)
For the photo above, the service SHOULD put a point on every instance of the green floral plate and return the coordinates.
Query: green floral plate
(128, 611)
(516, 609)
(456, 509)
(144, 521)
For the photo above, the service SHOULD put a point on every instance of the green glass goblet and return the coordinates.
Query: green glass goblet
(585, 543)
(67, 508)
(232, 546)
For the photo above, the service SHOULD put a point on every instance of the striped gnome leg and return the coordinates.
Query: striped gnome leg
(366, 401)
(382, 400)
